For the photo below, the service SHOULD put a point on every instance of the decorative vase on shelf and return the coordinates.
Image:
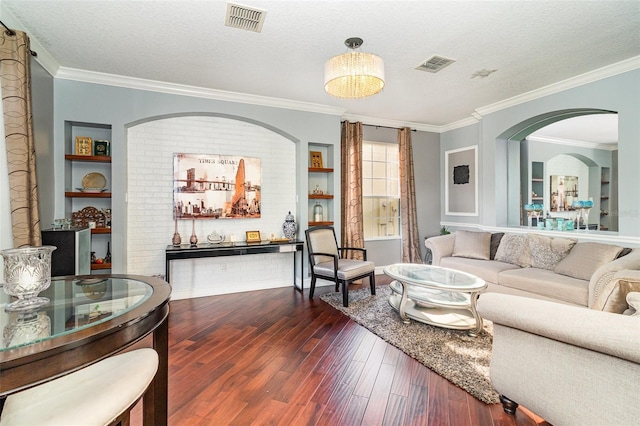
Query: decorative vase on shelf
(317, 212)
(176, 240)
(107, 257)
(194, 238)
(290, 227)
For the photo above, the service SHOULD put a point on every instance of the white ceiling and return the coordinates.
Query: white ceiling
(531, 44)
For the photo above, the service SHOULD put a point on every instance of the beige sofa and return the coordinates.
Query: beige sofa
(560, 269)
(569, 365)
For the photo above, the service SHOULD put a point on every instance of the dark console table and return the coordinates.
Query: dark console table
(187, 251)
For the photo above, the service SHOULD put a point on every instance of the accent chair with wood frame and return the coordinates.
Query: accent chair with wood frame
(326, 261)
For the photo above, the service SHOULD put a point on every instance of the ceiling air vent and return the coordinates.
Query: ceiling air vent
(435, 63)
(245, 17)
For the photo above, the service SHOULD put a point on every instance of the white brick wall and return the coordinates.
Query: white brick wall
(150, 225)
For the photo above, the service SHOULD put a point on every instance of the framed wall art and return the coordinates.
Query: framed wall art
(461, 181)
(209, 186)
(316, 159)
(253, 237)
(563, 190)
(84, 145)
(101, 148)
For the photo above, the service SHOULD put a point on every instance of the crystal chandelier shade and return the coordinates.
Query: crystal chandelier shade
(354, 75)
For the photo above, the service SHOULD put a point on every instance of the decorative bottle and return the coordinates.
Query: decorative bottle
(107, 257)
(290, 227)
(317, 212)
(176, 240)
(194, 238)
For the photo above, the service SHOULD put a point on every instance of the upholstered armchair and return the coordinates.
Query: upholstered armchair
(326, 261)
(570, 365)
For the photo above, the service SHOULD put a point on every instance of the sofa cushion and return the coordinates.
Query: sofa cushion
(546, 251)
(514, 249)
(485, 269)
(547, 283)
(475, 245)
(583, 260)
(495, 243)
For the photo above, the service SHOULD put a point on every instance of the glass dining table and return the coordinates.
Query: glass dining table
(88, 318)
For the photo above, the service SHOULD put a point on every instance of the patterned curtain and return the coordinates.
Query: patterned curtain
(351, 187)
(15, 76)
(409, 216)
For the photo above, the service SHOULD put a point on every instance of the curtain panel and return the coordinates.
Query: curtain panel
(15, 76)
(352, 231)
(408, 213)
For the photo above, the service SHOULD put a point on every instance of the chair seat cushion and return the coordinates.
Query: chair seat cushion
(94, 395)
(347, 269)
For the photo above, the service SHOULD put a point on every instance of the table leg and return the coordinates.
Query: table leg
(155, 402)
(473, 299)
(403, 302)
(295, 263)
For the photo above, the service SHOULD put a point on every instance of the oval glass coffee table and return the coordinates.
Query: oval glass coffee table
(434, 295)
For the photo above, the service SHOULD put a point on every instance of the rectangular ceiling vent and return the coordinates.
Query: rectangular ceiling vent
(435, 63)
(245, 17)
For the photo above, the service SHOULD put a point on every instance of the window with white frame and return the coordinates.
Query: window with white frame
(380, 190)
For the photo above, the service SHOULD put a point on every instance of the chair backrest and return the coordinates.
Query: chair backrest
(321, 239)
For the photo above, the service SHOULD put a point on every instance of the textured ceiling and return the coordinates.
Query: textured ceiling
(531, 44)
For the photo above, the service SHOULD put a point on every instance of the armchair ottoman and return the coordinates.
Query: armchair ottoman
(569, 365)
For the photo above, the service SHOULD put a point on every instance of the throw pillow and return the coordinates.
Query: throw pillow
(633, 299)
(514, 249)
(585, 258)
(495, 243)
(625, 251)
(546, 252)
(475, 245)
(612, 296)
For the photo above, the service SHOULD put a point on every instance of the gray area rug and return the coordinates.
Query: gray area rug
(459, 358)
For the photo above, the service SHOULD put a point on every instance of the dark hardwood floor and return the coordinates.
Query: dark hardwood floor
(274, 357)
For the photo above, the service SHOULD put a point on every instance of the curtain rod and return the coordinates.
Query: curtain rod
(386, 127)
(11, 33)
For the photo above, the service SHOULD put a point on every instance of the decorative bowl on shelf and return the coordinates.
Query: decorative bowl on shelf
(92, 190)
(94, 180)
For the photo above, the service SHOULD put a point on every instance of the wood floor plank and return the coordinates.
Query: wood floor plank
(276, 357)
(394, 413)
(379, 397)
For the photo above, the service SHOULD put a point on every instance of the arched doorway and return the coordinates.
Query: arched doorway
(525, 169)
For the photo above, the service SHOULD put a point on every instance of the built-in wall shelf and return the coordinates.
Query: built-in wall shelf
(92, 138)
(320, 223)
(101, 231)
(98, 266)
(320, 184)
(320, 170)
(605, 193)
(94, 158)
(80, 194)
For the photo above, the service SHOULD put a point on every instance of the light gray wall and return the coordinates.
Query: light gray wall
(461, 138)
(620, 93)
(42, 102)
(119, 107)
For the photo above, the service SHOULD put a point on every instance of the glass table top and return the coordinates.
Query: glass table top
(74, 304)
(434, 277)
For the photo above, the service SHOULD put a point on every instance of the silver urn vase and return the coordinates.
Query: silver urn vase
(290, 227)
